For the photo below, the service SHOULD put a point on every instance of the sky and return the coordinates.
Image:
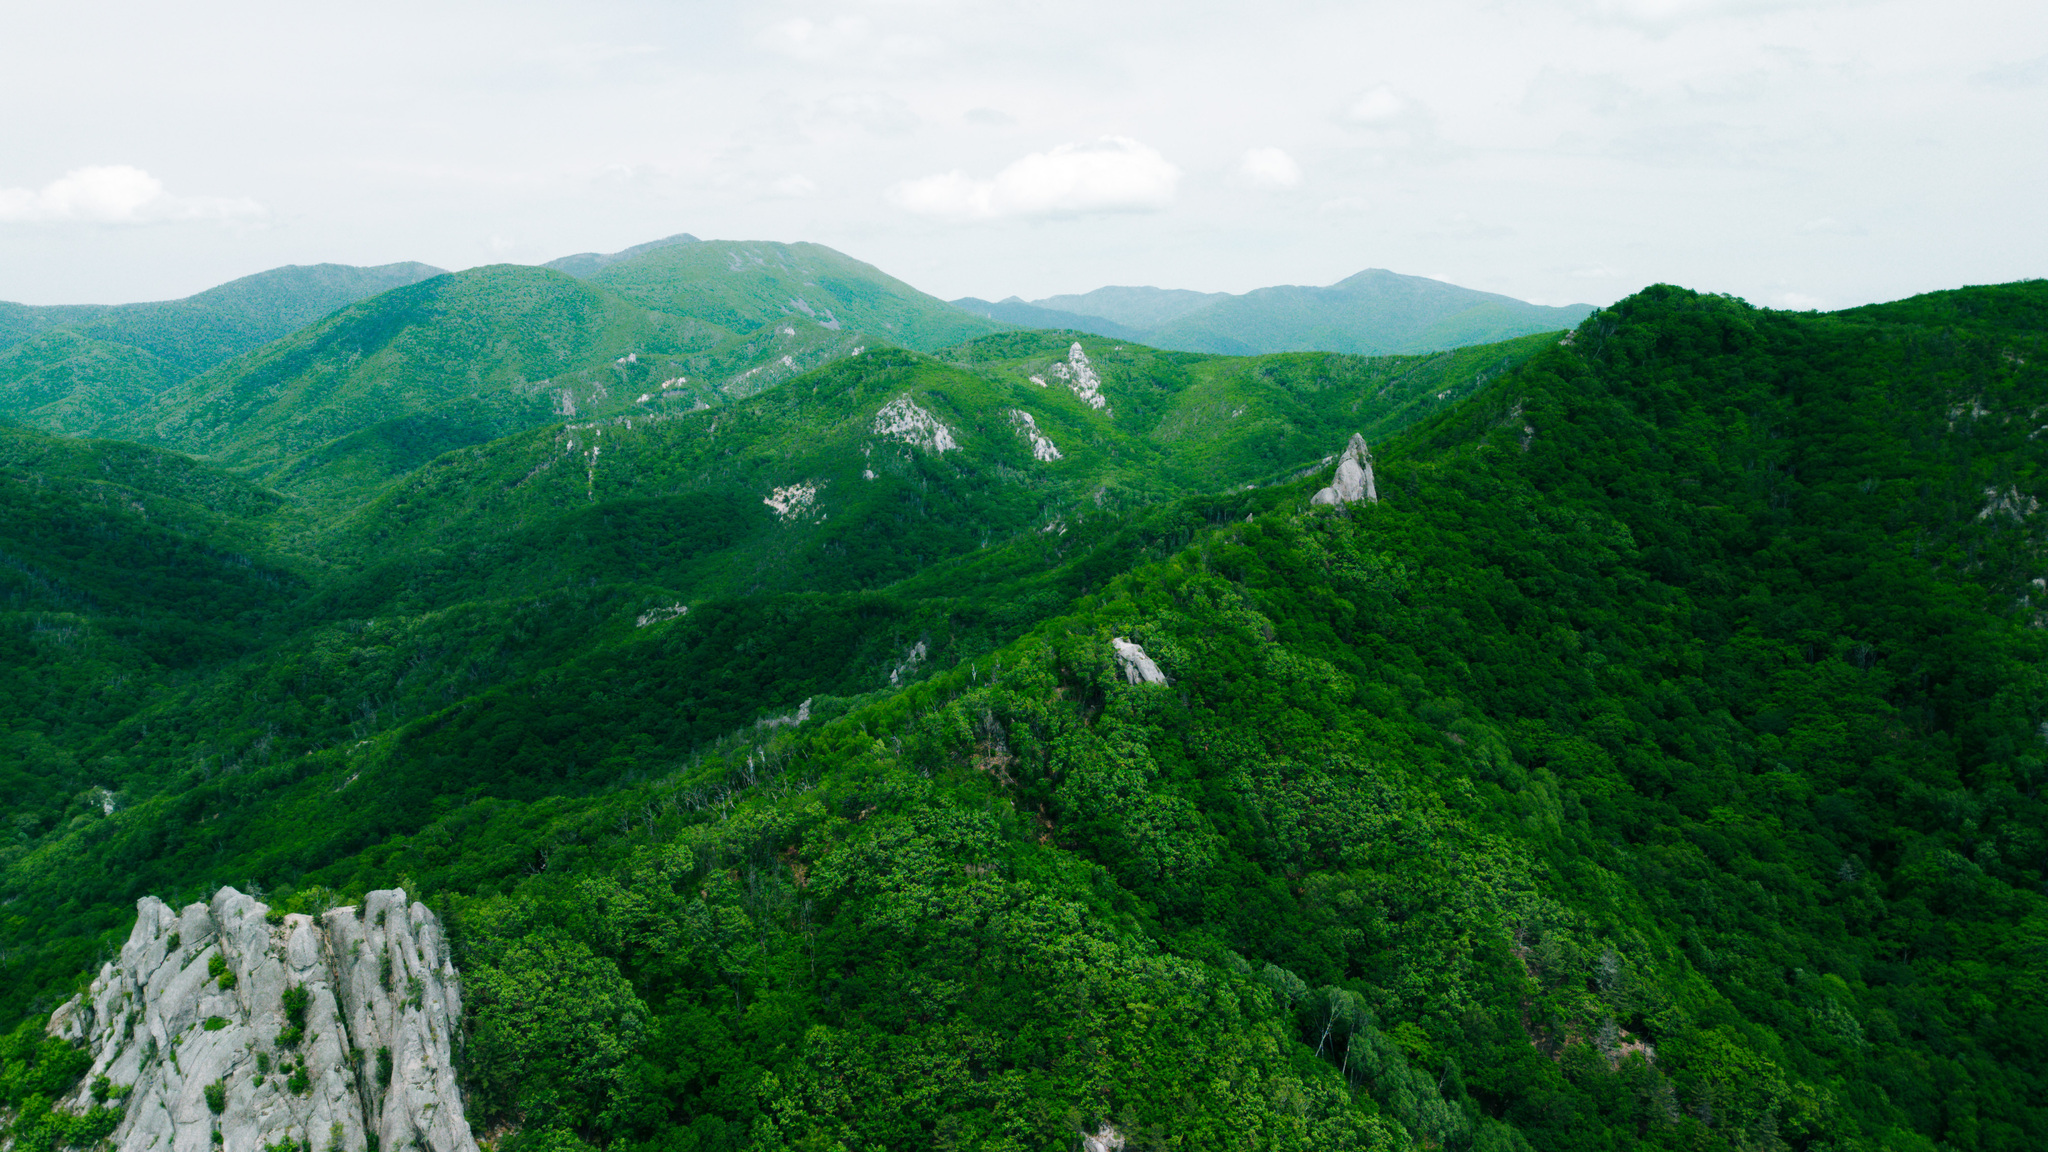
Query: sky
(1797, 154)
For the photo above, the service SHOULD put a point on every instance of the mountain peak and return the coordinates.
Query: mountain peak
(583, 265)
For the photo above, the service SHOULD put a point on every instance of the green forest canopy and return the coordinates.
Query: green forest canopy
(1658, 765)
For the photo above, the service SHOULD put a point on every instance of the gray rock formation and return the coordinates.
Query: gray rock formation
(198, 999)
(1354, 477)
(1138, 668)
(1107, 1140)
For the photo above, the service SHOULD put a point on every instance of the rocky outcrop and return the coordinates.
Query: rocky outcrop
(247, 1031)
(901, 419)
(1107, 1140)
(792, 501)
(1080, 375)
(1042, 447)
(1137, 667)
(1354, 481)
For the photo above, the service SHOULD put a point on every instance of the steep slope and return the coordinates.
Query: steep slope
(77, 368)
(761, 540)
(893, 461)
(743, 285)
(454, 360)
(66, 382)
(1655, 764)
(1214, 422)
(200, 331)
(125, 572)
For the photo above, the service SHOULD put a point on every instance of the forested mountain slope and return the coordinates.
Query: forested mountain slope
(75, 368)
(583, 265)
(744, 284)
(202, 330)
(784, 513)
(378, 388)
(124, 572)
(1656, 765)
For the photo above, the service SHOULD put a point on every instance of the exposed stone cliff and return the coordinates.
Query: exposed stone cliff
(1137, 667)
(1354, 479)
(248, 1032)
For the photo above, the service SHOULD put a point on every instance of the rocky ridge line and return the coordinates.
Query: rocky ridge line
(237, 1028)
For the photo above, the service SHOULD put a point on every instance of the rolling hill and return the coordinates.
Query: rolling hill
(1375, 312)
(743, 285)
(1017, 312)
(75, 368)
(379, 387)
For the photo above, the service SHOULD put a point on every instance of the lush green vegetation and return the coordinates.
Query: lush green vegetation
(411, 363)
(1658, 765)
(35, 1071)
(745, 284)
(77, 369)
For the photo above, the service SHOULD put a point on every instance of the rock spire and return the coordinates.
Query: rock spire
(1354, 477)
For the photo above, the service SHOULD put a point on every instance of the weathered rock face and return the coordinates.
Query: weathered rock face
(1137, 667)
(199, 997)
(901, 419)
(1354, 480)
(1107, 1140)
(1042, 447)
(1080, 375)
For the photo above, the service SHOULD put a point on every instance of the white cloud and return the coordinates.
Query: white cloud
(1270, 168)
(113, 194)
(876, 113)
(792, 185)
(1113, 174)
(808, 39)
(1799, 301)
(842, 37)
(1829, 226)
(1662, 16)
(1382, 105)
(1345, 205)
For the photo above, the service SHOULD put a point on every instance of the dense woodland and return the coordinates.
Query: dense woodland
(1658, 764)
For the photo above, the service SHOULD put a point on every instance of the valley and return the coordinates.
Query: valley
(731, 649)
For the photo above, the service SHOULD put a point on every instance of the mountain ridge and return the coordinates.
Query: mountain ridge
(1373, 312)
(1001, 747)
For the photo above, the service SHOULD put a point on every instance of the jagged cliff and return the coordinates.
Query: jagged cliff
(229, 1025)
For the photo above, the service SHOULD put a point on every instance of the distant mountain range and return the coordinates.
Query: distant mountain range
(743, 284)
(1376, 312)
(325, 382)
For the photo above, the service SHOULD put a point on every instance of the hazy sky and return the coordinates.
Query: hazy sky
(1797, 154)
